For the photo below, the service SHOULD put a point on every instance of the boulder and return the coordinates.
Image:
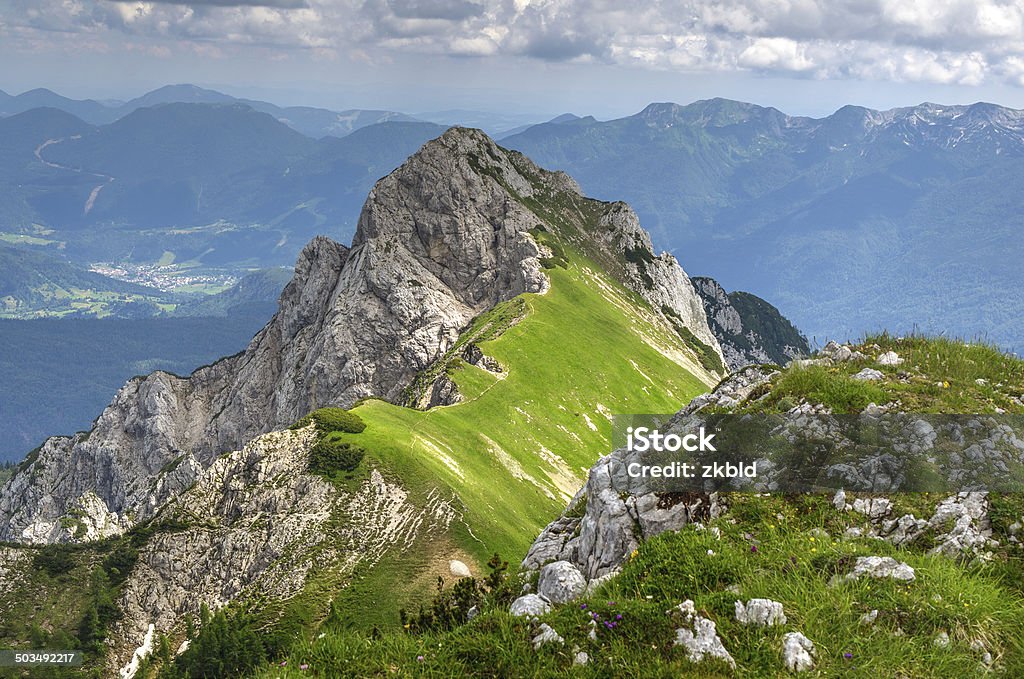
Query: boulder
(458, 569)
(561, 582)
(546, 635)
(529, 605)
(703, 642)
(880, 567)
(760, 612)
(890, 358)
(797, 652)
(876, 508)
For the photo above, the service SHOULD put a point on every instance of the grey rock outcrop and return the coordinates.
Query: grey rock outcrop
(560, 582)
(546, 635)
(616, 511)
(700, 637)
(442, 239)
(256, 521)
(880, 567)
(749, 329)
(963, 524)
(797, 652)
(529, 605)
(760, 612)
(621, 510)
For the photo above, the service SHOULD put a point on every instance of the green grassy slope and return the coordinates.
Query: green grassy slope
(520, 444)
(784, 547)
(938, 375)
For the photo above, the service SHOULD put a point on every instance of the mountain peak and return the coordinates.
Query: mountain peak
(716, 112)
(458, 229)
(184, 93)
(564, 118)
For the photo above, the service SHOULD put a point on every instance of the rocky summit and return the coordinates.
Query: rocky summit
(482, 327)
(440, 240)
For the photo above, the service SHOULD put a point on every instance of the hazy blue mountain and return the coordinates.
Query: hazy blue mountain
(171, 141)
(495, 124)
(207, 185)
(862, 220)
(178, 94)
(557, 120)
(310, 121)
(88, 110)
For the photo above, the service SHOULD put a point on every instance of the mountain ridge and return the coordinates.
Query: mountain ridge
(310, 121)
(819, 214)
(466, 258)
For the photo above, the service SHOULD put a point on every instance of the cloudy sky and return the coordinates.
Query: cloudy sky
(603, 57)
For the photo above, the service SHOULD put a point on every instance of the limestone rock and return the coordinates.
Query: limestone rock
(797, 652)
(890, 358)
(875, 509)
(701, 640)
(458, 569)
(760, 612)
(903, 530)
(529, 605)
(546, 635)
(880, 567)
(964, 524)
(869, 375)
(561, 582)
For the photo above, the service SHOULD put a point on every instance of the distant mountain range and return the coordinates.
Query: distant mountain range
(207, 184)
(310, 121)
(863, 220)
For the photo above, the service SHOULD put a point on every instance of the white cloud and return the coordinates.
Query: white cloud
(776, 53)
(939, 41)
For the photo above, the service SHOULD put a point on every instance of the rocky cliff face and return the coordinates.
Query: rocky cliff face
(440, 240)
(749, 329)
(256, 522)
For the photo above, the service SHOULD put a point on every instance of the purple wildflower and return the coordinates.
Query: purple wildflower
(618, 616)
(753, 549)
(419, 658)
(303, 666)
(848, 655)
(583, 607)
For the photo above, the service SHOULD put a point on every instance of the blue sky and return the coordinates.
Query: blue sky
(602, 57)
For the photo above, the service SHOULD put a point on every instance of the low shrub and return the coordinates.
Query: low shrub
(333, 419)
(332, 454)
